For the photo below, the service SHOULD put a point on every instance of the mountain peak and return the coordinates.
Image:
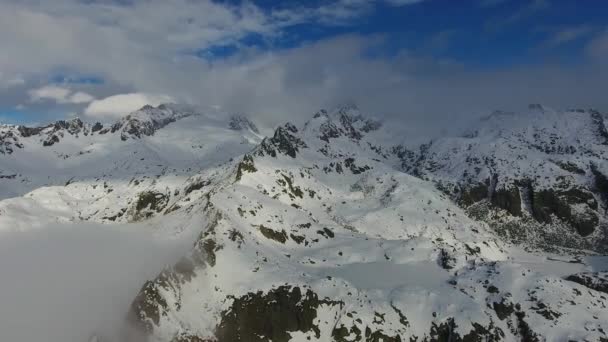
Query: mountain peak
(240, 122)
(345, 120)
(148, 119)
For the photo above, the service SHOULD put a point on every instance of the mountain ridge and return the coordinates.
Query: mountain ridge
(324, 232)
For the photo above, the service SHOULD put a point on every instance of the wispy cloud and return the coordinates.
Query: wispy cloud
(115, 106)
(531, 8)
(568, 34)
(59, 95)
(144, 47)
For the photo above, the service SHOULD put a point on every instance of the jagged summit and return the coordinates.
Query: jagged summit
(240, 122)
(147, 120)
(142, 122)
(345, 120)
(48, 135)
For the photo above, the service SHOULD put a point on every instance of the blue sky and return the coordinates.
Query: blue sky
(475, 33)
(100, 59)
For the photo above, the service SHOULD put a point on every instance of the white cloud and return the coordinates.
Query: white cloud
(62, 284)
(144, 47)
(59, 95)
(117, 106)
(144, 44)
(12, 81)
(81, 97)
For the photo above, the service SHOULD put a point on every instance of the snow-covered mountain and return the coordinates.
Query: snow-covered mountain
(537, 176)
(326, 232)
(170, 140)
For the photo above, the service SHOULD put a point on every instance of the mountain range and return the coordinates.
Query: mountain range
(329, 231)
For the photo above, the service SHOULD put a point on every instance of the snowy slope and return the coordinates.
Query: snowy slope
(98, 176)
(316, 234)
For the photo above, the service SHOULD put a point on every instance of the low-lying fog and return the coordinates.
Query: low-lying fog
(67, 282)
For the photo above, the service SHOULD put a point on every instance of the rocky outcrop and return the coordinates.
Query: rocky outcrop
(271, 316)
(245, 166)
(345, 121)
(574, 206)
(147, 204)
(283, 141)
(597, 281)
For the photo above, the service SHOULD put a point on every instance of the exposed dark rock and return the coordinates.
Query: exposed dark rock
(147, 120)
(207, 248)
(271, 316)
(246, 165)
(473, 194)
(525, 332)
(148, 203)
(29, 131)
(196, 185)
(283, 141)
(503, 309)
(350, 164)
(546, 203)
(445, 332)
(326, 233)
(52, 140)
(294, 190)
(569, 166)
(446, 261)
(291, 127)
(149, 305)
(600, 182)
(271, 234)
(96, 127)
(380, 336)
(151, 200)
(343, 334)
(597, 281)
(598, 120)
(508, 199)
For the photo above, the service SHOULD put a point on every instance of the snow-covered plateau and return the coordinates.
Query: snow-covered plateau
(324, 232)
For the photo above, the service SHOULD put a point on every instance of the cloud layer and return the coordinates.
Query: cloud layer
(176, 50)
(116, 106)
(59, 95)
(67, 282)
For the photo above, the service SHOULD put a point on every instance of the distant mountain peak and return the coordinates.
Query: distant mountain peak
(346, 120)
(239, 122)
(149, 119)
